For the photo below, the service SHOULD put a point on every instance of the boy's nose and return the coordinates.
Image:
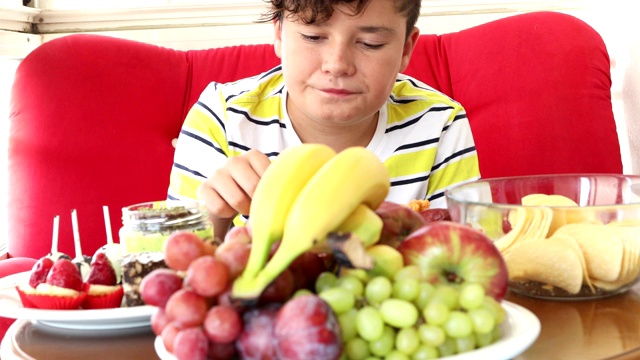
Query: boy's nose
(338, 61)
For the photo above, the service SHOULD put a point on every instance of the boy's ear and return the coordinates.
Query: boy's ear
(407, 50)
(277, 41)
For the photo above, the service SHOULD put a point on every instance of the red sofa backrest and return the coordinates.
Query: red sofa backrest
(92, 117)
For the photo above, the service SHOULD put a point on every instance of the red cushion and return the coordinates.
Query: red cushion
(92, 122)
(536, 88)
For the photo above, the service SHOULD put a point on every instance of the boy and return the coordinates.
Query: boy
(339, 83)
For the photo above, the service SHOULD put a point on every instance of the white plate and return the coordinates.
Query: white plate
(99, 319)
(519, 330)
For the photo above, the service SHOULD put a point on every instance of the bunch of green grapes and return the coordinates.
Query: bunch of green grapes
(405, 317)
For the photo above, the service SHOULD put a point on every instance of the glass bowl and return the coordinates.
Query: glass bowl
(563, 237)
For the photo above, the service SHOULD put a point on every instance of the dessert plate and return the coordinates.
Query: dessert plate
(99, 319)
(519, 330)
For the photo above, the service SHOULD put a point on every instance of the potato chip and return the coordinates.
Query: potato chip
(571, 242)
(630, 266)
(526, 224)
(602, 248)
(550, 262)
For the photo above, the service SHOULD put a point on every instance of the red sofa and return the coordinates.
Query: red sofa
(93, 117)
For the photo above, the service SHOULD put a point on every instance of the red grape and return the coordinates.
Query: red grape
(191, 344)
(235, 255)
(168, 336)
(222, 324)
(240, 234)
(181, 248)
(159, 285)
(207, 276)
(218, 351)
(185, 308)
(159, 320)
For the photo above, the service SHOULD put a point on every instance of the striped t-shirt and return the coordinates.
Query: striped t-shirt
(423, 136)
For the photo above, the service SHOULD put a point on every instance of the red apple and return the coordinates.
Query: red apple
(449, 252)
(435, 214)
(398, 222)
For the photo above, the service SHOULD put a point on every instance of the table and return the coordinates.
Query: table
(601, 329)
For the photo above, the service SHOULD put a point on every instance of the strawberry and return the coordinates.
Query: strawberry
(101, 272)
(40, 271)
(65, 274)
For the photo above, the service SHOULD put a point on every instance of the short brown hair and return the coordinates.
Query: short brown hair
(318, 11)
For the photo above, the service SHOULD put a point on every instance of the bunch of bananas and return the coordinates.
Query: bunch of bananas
(308, 192)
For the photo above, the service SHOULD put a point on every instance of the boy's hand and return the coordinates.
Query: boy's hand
(229, 190)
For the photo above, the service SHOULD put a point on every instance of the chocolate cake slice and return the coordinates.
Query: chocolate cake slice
(135, 267)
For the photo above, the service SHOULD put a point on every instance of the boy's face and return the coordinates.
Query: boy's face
(342, 71)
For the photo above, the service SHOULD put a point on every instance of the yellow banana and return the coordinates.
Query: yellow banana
(352, 177)
(275, 194)
(363, 222)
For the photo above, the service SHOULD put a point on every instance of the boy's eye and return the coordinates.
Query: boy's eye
(311, 38)
(372, 46)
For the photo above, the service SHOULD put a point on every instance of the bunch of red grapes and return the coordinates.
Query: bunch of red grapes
(197, 318)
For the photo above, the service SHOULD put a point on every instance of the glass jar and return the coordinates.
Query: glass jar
(146, 226)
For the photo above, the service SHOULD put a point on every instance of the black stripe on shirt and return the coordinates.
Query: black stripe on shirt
(184, 168)
(258, 122)
(200, 103)
(453, 156)
(433, 168)
(202, 140)
(416, 119)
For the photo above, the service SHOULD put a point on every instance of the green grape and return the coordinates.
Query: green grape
(325, 280)
(471, 296)
(447, 348)
(482, 320)
(396, 355)
(497, 333)
(347, 323)
(406, 289)
(369, 323)
(372, 358)
(399, 313)
(425, 352)
(359, 274)
(340, 299)
(458, 325)
(483, 340)
(409, 271)
(495, 308)
(436, 313)
(301, 292)
(386, 343)
(431, 335)
(424, 294)
(378, 289)
(351, 283)
(466, 343)
(357, 349)
(447, 295)
(407, 340)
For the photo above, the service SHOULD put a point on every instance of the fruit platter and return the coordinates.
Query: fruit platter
(325, 268)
